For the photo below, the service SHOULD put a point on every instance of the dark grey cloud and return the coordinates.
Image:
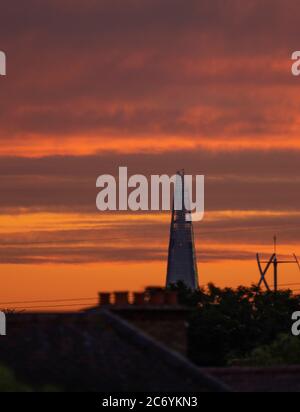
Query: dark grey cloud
(241, 180)
(100, 240)
(218, 69)
(76, 67)
(82, 255)
(259, 164)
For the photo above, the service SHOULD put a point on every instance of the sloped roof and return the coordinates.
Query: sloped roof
(95, 352)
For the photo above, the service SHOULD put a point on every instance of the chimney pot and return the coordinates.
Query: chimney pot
(171, 298)
(157, 298)
(139, 298)
(104, 298)
(121, 298)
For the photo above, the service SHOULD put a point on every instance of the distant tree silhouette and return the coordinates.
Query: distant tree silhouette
(228, 324)
(285, 350)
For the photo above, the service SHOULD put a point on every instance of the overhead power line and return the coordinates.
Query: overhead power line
(46, 306)
(80, 299)
(46, 301)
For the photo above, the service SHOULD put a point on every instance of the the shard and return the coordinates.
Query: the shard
(182, 264)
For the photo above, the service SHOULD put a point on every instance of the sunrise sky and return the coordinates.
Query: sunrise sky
(154, 85)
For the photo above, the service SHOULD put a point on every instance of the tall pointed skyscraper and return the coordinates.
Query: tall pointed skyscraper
(182, 263)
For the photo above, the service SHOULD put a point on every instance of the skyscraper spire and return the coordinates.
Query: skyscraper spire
(182, 264)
